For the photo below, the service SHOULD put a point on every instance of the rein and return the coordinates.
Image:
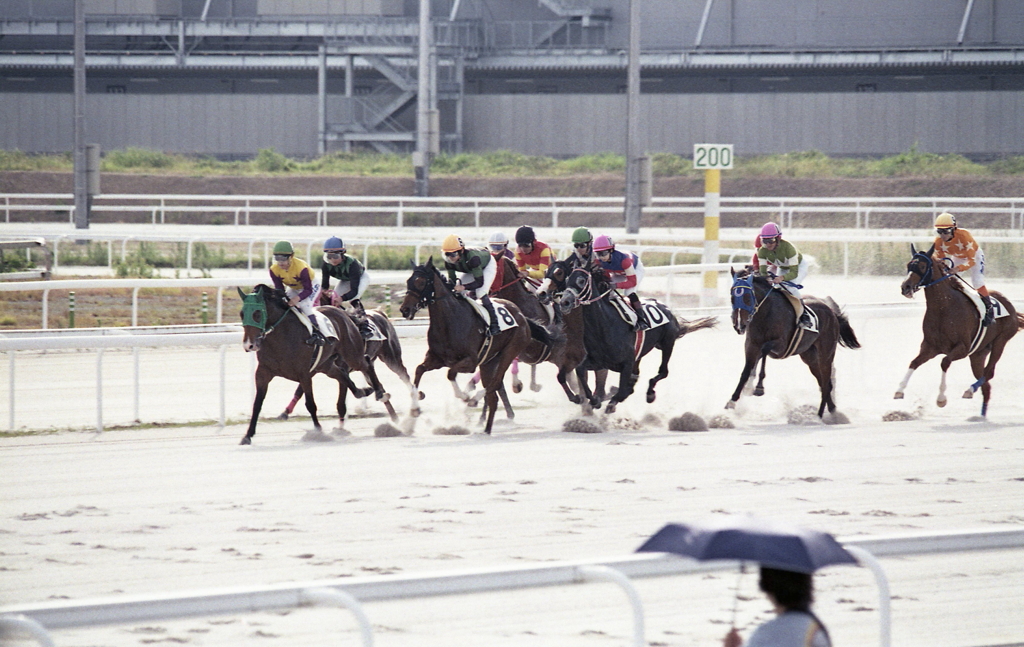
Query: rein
(927, 260)
(588, 288)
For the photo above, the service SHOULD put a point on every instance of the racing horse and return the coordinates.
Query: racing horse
(952, 326)
(610, 341)
(767, 318)
(567, 350)
(388, 351)
(456, 336)
(274, 332)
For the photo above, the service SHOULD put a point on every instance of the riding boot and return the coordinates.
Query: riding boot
(641, 317)
(989, 314)
(493, 329)
(805, 319)
(360, 318)
(326, 327)
(316, 337)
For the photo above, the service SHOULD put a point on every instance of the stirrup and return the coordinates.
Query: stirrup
(315, 339)
(364, 330)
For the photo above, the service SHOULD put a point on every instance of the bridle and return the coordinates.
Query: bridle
(426, 297)
(255, 315)
(585, 295)
(923, 281)
(744, 297)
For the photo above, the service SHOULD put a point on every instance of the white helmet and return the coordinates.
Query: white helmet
(498, 238)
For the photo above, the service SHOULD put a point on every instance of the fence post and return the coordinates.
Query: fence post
(387, 300)
(7, 208)
(135, 391)
(46, 308)
(206, 309)
(99, 390)
(400, 219)
(476, 214)
(71, 309)
(223, 387)
(10, 389)
(135, 307)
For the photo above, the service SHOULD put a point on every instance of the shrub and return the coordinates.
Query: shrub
(136, 159)
(269, 160)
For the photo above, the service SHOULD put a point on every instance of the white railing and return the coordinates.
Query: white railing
(323, 208)
(37, 620)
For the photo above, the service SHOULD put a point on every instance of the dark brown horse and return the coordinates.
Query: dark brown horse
(456, 336)
(567, 351)
(388, 351)
(952, 326)
(276, 334)
(768, 319)
(610, 341)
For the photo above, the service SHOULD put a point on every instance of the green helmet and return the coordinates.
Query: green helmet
(581, 235)
(283, 247)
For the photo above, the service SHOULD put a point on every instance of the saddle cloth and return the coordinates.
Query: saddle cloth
(998, 310)
(505, 319)
(306, 321)
(655, 317)
(799, 307)
(377, 334)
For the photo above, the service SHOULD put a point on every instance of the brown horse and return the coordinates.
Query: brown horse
(567, 351)
(952, 326)
(456, 336)
(767, 318)
(388, 351)
(276, 334)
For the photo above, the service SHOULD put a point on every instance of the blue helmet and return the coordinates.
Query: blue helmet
(333, 243)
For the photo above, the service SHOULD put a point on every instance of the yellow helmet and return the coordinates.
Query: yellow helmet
(945, 220)
(452, 243)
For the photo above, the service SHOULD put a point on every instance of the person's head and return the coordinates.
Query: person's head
(452, 248)
(581, 241)
(790, 590)
(283, 253)
(334, 250)
(603, 247)
(498, 243)
(525, 238)
(770, 236)
(945, 226)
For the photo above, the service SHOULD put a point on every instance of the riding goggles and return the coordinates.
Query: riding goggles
(451, 254)
(280, 258)
(770, 241)
(946, 231)
(497, 248)
(333, 255)
(581, 245)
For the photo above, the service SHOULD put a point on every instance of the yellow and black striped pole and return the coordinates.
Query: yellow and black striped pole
(712, 196)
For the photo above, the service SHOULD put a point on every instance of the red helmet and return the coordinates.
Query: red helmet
(603, 243)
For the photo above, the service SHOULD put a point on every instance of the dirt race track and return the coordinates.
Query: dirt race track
(182, 508)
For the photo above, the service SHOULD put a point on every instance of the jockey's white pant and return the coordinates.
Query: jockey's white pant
(801, 274)
(344, 287)
(305, 306)
(489, 271)
(639, 269)
(976, 272)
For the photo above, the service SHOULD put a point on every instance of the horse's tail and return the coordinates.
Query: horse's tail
(699, 324)
(847, 337)
(547, 336)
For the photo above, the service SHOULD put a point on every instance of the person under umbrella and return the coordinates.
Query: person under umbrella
(795, 625)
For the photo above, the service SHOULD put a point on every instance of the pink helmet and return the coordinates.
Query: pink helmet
(602, 243)
(770, 230)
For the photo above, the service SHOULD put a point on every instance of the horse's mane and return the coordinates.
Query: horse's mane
(757, 279)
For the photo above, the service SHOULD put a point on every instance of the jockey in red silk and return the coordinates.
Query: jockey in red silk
(625, 271)
(533, 257)
(498, 247)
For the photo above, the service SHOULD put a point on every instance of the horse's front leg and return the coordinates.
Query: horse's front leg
(627, 379)
(291, 405)
(534, 386)
(263, 378)
(584, 388)
(748, 367)
(342, 409)
(759, 389)
(563, 381)
(923, 356)
(430, 362)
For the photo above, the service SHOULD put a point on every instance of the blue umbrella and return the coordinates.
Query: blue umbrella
(749, 538)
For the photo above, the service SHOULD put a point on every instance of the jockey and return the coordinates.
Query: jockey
(583, 248)
(626, 272)
(788, 265)
(533, 257)
(498, 246)
(959, 246)
(295, 278)
(352, 281)
(476, 271)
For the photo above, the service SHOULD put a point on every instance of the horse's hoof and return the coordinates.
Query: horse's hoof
(898, 396)
(384, 397)
(283, 416)
(941, 402)
(245, 441)
(517, 387)
(650, 397)
(535, 387)
(731, 404)
(758, 391)
(415, 412)
(968, 394)
(610, 408)
(473, 402)
(423, 396)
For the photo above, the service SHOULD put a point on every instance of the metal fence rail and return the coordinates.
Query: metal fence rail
(37, 620)
(917, 211)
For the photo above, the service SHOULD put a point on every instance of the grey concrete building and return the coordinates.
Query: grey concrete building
(229, 77)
